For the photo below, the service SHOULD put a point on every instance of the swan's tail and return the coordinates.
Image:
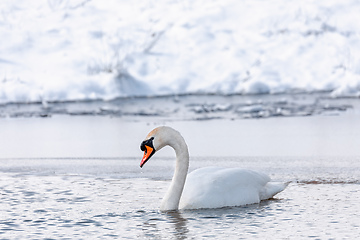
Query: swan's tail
(271, 189)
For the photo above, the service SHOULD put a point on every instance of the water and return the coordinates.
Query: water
(189, 107)
(109, 199)
(78, 177)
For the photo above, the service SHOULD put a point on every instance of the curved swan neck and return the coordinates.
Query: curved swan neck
(173, 195)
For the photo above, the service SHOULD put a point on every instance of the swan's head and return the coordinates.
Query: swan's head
(154, 141)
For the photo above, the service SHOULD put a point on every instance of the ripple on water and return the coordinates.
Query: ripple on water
(91, 207)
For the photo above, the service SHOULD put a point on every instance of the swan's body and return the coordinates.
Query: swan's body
(210, 187)
(214, 187)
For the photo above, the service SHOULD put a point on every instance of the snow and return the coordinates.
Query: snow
(59, 50)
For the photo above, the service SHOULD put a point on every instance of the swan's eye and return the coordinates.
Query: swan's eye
(142, 146)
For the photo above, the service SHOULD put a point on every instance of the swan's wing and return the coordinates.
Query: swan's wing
(271, 189)
(213, 187)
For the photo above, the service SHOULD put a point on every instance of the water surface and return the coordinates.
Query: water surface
(78, 177)
(108, 198)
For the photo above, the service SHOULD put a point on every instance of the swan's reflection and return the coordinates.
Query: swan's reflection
(179, 223)
(155, 227)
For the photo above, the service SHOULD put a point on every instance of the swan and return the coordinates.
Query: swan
(209, 187)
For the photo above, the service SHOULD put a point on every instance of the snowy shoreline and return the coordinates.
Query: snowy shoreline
(191, 107)
(84, 50)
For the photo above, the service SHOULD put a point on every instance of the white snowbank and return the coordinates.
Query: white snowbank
(87, 49)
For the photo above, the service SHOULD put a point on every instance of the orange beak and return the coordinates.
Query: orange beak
(149, 151)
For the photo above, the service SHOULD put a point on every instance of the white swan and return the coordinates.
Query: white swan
(210, 187)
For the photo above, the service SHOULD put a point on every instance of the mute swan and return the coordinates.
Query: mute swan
(209, 187)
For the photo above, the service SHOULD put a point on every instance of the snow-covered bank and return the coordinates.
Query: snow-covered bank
(88, 49)
(192, 107)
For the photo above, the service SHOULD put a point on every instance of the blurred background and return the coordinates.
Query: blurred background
(146, 63)
(65, 50)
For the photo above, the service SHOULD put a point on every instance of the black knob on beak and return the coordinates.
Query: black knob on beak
(148, 142)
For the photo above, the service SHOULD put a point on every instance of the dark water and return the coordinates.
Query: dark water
(190, 107)
(106, 199)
